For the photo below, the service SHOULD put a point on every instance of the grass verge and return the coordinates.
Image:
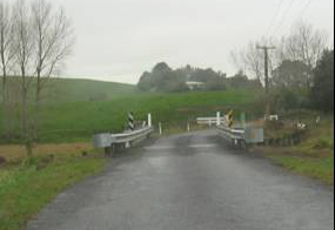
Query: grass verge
(313, 157)
(318, 168)
(27, 187)
(13, 152)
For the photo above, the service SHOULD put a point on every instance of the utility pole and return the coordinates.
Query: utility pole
(266, 73)
(266, 62)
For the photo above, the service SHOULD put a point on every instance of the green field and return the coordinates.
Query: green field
(66, 90)
(76, 109)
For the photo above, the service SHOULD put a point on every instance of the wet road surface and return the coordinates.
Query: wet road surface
(191, 182)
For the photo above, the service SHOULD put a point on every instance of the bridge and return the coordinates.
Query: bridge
(196, 180)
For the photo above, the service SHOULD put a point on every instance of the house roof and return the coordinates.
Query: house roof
(194, 83)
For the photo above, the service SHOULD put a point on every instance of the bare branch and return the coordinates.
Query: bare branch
(6, 51)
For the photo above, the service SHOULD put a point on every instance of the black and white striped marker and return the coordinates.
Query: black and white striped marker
(131, 121)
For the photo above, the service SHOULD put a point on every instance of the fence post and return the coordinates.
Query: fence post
(242, 118)
(149, 120)
(160, 128)
(218, 118)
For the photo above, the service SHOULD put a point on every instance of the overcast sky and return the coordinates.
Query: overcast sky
(119, 39)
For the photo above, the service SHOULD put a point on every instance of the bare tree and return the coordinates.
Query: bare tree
(53, 40)
(23, 43)
(237, 59)
(305, 44)
(5, 49)
(6, 57)
(250, 60)
(255, 61)
(35, 40)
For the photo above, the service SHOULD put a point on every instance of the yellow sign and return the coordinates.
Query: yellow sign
(230, 118)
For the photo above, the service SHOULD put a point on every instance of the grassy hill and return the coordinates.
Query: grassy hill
(61, 90)
(66, 89)
(75, 109)
(80, 120)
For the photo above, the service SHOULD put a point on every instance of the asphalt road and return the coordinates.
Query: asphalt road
(191, 182)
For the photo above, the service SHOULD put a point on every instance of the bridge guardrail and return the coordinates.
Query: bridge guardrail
(131, 136)
(231, 133)
(239, 135)
(235, 135)
(109, 140)
(106, 140)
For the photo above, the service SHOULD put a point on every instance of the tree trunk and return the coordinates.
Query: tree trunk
(37, 108)
(26, 133)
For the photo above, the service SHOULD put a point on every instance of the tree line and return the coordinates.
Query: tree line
(295, 64)
(162, 78)
(35, 40)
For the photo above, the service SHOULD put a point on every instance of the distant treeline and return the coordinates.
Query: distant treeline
(164, 79)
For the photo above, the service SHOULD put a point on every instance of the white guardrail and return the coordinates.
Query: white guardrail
(107, 140)
(248, 135)
(131, 136)
(234, 134)
(238, 134)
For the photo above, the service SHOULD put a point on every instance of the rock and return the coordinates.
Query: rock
(84, 153)
(2, 161)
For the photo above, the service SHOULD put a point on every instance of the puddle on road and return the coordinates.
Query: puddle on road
(202, 146)
(158, 147)
(189, 146)
(159, 162)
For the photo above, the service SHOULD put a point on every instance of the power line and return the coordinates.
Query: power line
(305, 8)
(283, 18)
(279, 5)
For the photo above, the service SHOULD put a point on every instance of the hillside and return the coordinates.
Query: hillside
(72, 121)
(62, 89)
(66, 89)
(76, 109)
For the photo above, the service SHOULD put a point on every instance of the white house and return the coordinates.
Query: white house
(194, 85)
